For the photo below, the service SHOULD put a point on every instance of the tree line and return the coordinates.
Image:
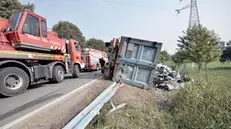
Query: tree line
(64, 29)
(68, 30)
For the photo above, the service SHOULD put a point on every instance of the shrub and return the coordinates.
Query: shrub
(201, 106)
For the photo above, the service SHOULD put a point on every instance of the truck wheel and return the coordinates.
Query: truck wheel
(13, 81)
(57, 74)
(76, 71)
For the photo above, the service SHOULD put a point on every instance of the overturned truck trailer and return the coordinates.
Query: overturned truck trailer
(132, 61)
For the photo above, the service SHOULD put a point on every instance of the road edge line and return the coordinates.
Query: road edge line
(11, 124)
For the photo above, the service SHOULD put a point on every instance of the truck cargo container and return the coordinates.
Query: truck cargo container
(133, 61)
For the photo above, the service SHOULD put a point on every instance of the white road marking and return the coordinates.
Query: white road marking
(11, 124)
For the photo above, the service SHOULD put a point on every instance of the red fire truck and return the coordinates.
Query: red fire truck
(91, 58)
(29, 54)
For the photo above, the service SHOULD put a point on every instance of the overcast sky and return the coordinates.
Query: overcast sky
(147, 19)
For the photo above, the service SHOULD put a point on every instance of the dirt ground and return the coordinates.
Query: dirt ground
(57, 116)
(136, 96)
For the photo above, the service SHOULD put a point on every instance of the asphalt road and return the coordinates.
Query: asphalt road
(39, 95)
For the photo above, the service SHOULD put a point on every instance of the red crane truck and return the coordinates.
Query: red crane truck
(91, 58)
(29, 54)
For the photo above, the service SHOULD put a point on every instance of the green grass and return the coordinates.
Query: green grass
(131, 117)
(219, 74)
(201, 106)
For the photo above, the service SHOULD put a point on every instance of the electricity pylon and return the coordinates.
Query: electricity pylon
(194, 14)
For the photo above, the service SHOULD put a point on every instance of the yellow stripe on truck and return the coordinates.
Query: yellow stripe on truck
(16, 53)
(33, 55)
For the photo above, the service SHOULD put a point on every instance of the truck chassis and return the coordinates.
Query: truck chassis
(18, 70)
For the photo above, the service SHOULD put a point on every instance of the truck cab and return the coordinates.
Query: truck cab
(28, 31)
(75, 51)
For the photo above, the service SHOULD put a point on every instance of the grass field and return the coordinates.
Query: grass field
(219, 74)
(201, 106)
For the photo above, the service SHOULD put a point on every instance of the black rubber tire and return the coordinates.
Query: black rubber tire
(4, 72)
(76, 71)
(55, 74)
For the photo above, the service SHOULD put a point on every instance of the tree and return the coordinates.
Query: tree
(96, 44)
(7, 7)
(211, 52)
(165, 54)
(69, 30)
(200, 45)
(178, 58)
(162, 58)
(29, 6)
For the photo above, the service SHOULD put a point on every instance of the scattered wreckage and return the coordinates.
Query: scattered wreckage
(167, 79)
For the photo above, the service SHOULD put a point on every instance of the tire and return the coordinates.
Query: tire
(57, 74)
(76, 71)
(13, 81)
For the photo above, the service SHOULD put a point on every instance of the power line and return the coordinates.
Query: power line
(129, 4)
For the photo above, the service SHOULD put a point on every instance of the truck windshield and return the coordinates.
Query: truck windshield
(15, 20)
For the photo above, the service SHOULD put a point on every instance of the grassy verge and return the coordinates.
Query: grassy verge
(202, 106)
(219, 74)
(145, 116)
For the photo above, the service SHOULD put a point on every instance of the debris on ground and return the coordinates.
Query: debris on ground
(167, 79)
(114, 108)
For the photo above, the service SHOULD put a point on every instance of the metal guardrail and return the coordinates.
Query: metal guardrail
(81, 120)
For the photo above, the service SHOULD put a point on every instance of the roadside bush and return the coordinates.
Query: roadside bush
(201, 106)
